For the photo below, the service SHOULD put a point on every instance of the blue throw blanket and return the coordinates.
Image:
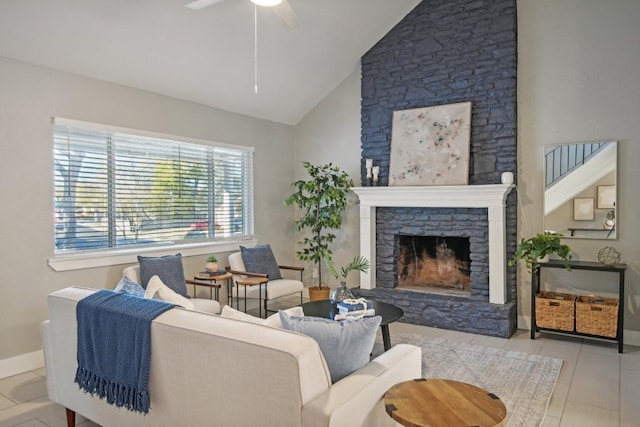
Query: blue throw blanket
(114, 347)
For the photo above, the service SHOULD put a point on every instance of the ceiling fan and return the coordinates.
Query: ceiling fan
(281, 8)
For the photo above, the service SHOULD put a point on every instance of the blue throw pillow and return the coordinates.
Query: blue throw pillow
(128, 286)
(345, 345)
(260, 259)
(168, 268)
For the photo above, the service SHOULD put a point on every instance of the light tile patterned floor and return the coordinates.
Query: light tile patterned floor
(597, 386)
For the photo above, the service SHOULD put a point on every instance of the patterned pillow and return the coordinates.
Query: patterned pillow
(345, 345)
(128, 286)
(168, 268)
(260, 259)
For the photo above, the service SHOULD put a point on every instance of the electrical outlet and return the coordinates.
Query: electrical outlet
(314, 273)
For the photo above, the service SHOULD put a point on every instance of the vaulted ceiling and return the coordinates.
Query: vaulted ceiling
(207, 55)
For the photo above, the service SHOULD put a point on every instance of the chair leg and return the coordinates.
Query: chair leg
(71, 417)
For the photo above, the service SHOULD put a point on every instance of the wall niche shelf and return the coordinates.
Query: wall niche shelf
(618, 269)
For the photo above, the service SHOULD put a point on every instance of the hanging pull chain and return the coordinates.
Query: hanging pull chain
(255, 48)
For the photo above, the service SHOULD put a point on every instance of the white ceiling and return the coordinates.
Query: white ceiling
(204, 56)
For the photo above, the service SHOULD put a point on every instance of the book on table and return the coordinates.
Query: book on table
(348, 306)
(355, 314)
(212, 273)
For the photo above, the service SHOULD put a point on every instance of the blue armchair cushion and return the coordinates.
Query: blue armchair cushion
(168, 268)
(345, 345)
(260, 259)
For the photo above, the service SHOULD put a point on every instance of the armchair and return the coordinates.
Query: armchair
(273, 289)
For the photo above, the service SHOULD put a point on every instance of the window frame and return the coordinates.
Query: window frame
(62, 261)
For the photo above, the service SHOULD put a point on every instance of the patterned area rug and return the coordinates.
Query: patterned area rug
(524, 382)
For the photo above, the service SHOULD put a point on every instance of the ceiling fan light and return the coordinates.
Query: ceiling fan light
(269, 3)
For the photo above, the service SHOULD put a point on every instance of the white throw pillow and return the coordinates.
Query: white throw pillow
(232, 313)
(156, 289)
(273, 320)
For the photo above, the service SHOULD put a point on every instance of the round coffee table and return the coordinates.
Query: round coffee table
(437, 402)
(389, 313)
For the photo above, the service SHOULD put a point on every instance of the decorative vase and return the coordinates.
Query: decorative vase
(507, 178)
(608, 224)
(211, 267)
(341, 293)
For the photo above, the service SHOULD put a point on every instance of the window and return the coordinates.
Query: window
(117, 188)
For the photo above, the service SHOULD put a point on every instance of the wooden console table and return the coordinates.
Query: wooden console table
(619, 269)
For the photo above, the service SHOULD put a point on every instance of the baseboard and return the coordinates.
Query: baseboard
(631, 337)
(20, 364)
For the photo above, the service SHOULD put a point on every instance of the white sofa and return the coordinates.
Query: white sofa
(208, 370)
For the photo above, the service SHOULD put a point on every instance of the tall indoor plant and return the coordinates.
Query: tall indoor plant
(535, 248)
(322, 200)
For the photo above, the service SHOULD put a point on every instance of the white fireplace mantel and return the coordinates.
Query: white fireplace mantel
(492, 197)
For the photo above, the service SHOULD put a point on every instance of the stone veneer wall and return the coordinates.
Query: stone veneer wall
(443, 52)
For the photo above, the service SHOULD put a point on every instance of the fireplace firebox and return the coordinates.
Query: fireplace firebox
(438, 264)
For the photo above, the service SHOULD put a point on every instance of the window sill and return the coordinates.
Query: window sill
(80, 261)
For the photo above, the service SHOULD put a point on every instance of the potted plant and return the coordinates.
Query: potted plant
(358, 263)
(212, 264)
(610, 219)
(322, 200)
(535, 248)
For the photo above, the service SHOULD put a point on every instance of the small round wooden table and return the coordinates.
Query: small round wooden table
(437, 402)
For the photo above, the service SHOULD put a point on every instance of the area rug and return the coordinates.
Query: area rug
(524, 382)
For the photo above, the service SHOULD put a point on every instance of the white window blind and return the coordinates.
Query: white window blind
(118, 188)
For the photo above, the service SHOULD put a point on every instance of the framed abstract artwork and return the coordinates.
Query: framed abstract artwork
(583, 209)
(606, 196)
(430, 145)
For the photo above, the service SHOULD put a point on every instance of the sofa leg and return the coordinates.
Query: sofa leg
(71, 417)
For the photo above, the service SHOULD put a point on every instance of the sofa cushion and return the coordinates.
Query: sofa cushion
(273, 320)
(156, 289)
(232, 313)
(260, 259)
(345, 345)
(128, 286)
(168, 268)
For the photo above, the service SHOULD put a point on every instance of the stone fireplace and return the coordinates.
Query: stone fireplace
(445, 52)
(473, 212)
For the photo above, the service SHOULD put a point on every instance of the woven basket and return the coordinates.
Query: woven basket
(555, 311)
(597, 316)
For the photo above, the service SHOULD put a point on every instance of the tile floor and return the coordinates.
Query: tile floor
(597, 386)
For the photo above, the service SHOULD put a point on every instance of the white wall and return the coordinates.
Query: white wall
(331, 133)
(578, 68)
(30, 96)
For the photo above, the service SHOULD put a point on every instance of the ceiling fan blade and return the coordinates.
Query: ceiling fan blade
(201, 4)
(287, 15)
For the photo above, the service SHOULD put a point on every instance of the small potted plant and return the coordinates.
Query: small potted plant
(610, 219)
(212, 264)
(359, 263)
(534, 249)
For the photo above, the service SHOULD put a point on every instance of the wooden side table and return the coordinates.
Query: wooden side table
(438, 402)
(199, 278)
(251, 281)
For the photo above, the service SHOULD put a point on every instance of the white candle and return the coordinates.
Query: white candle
(376, 172)
(369, 163)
